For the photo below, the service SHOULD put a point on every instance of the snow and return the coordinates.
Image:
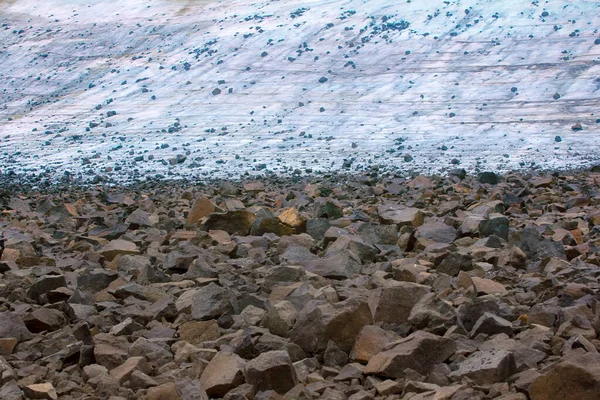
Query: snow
(477, 77)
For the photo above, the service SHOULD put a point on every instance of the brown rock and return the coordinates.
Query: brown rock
(272, 370)
(292, 217)
(318, 323)
(7, 345)
(486, 367)
(196, 332)
(201, 208)
(224, 372)
(420, 351)
(575, 378)
(123, 372)
(236, 222)
(166, 391)
(370, 341)
(41, 391)
(400, 216)
(393, 304)
(118, 246)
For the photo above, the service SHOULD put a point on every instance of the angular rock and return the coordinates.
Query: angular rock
(370, 341)
(201, 208)
(272, 370)
(196, 332)
(420, 351)
(224, 372)
(40, 391)
(491, 324)
(318, 323)
(12, 326)
(394, 303)
(486, 367)
(574, 378)
(400, 216)
(236, 222)
(118, 247)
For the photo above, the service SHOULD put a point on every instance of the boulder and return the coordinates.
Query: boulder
(224, 372)
(319, 322)
(576, 377)
(486, 367)
(272, 370)
(420, 351)
(393, 304)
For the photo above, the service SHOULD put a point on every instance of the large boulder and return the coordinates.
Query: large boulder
(393, 304)
(420, 352)
(224, 372)
(319, 322)
(272, 370)
(238, 222)
(576, 377)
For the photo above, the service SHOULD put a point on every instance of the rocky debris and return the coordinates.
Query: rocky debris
(362, 289)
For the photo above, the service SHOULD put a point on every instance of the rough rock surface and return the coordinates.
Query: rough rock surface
(160, 307)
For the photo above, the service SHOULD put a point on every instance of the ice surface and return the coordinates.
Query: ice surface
(467, 84)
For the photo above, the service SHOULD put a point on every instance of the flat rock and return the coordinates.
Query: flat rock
(486, 367)
(40, 391)
(118, 247)
(371, 340)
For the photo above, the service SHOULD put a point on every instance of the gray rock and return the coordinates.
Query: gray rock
(272, 370)
(486, 367)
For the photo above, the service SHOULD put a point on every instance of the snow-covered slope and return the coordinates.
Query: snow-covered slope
(218, 89)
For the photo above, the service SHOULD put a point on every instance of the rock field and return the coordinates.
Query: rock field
(351, 288)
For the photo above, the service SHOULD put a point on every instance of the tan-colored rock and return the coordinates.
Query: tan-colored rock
(196, 332)
(401, 216)
(575, 378)
(292, 217)
(371, 340)
(487, 286)
(420, 351)
(486, 367)
(201, 208)
(254, 187)
(223, 373)
(118, 246)
(123, 372)
(272, 370)
(392, 304)
(7, 345)
(40, 391)
(166, 391)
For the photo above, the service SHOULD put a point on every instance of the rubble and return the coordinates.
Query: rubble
(388, 302)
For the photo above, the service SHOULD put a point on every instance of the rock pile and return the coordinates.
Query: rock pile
(336, 288)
